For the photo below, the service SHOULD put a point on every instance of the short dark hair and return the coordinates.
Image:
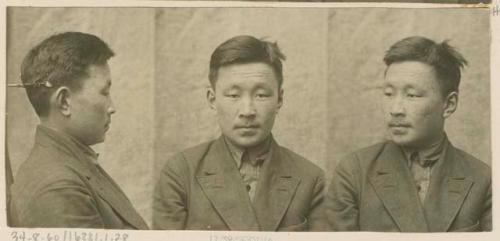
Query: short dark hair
(60, 60)
(445, 60)
(246, 49)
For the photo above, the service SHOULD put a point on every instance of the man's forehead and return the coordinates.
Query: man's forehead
(247, 69)
(246, 73)
(410, 69)
(99, 74)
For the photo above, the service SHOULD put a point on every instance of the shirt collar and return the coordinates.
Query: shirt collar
(69, 140)
(431, 153)
(258, 154)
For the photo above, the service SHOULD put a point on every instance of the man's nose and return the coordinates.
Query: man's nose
(111, 108)
(247, 108)
(397, 107)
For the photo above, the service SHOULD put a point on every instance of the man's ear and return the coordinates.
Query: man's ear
(62, 101)
(211, 97)
(280, 98)
(450, 104)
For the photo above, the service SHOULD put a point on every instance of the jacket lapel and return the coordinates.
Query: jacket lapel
(447, 191)
(222, 184)
(276, 187)
(84, 166)
(114, 196)
(393, 183)
(110, 192)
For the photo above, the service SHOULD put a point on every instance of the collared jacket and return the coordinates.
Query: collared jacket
(201, 189)
(60, 185)
(373, 190)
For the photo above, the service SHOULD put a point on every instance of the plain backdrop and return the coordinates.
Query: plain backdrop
(333, 69)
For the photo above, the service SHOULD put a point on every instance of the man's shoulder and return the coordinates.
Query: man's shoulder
(364, 158)
(303, 164)
(190, 156)
(44, 171)
(370, 152)
(472, 164)
(46, 164)
(196, 152)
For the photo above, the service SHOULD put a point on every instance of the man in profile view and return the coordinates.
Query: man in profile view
(243, 180)
(61, 184)
(417, 181)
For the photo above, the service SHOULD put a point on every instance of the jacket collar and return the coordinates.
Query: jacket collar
(275, 189)
(431, 154)
(85, 163)
(393, 183)
(260, 152)
(448, 189)
(49, 137)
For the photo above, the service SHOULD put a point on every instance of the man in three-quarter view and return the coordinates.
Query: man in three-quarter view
(417, 181)
(61, 184)
(243, 180)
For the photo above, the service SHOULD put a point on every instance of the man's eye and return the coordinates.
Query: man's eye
(262, 95)
(388, 94)
(409, 95)
(232, 96)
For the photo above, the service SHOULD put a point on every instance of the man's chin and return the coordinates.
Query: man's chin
(401, 140)
(98, 141)
(247, 142)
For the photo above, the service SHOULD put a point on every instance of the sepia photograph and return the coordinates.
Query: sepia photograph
(252, 119)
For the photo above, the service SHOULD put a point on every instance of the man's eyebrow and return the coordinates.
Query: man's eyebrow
(383, 86)
(232, 86)
(410, 86)
(261, 85)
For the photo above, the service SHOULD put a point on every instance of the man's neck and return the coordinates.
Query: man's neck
(253, 151)
(45, 122)
(59, 128)
(69, 138)
(427, 145)
(429, 151)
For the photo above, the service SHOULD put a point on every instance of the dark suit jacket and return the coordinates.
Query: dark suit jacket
(373, 190)
(201, 188)
(60, 186)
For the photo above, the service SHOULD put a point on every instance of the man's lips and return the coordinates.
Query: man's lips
(399, 128)
(399, 125)
(246, 126)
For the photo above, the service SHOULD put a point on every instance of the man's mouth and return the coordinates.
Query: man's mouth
(399, 128)
(253, 126)
(399, 125)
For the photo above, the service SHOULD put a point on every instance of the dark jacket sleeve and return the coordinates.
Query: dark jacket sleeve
(317, 219)
(170, 200)
(64, 203)
(486, 217)
(341, 204)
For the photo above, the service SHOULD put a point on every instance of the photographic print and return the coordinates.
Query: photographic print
(277, 119)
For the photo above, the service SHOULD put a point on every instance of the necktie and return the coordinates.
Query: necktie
(414, 157)
(250, 173)
(421, 174)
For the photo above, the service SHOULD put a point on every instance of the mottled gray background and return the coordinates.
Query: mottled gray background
(331, 105)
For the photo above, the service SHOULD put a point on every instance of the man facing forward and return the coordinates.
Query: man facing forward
(243, 180)
(417, 181)
(61, 184)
